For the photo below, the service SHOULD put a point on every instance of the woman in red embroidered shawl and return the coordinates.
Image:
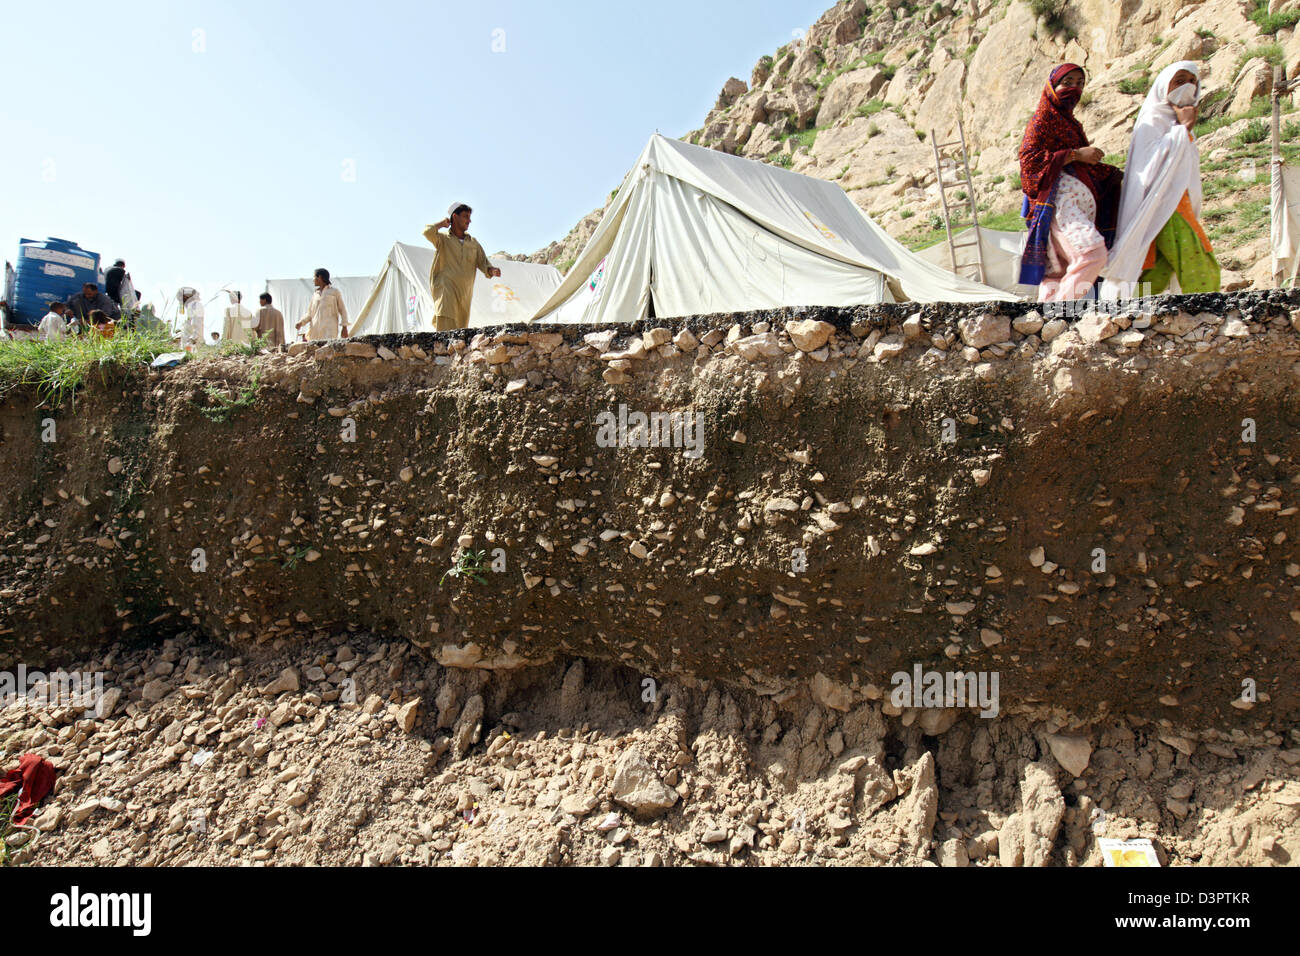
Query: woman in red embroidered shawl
(1071, 197)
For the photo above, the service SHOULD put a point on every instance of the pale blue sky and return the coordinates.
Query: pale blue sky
(208, 142)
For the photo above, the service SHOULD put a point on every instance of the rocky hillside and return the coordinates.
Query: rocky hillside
(860, 97)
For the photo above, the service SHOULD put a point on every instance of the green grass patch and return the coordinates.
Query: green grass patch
(1252, 212)
(1271, 53)
(1270, 23)
(871, 107)
(1004, 222)
(58, 369)
(780, 159)
(1135, 84)
(806, 137)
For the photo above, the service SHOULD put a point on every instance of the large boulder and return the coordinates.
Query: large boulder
(1254, 79)
(637, 787)
(848, 91)
(732, 90)
(903, 86)
(849, 25)
(798, 102)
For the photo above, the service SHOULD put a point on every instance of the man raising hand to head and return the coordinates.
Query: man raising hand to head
(451, 278)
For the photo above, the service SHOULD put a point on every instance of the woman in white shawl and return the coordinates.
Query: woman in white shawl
(1159, 239)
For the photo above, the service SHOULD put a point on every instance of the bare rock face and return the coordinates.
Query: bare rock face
(637, 787)
(831, 693)
(1028, 835)
(732, 90)
(798, 102)
(468, 727)
(1072, 753)
(1255, 79)
(936, 115)
(917, 811)
(848, 91)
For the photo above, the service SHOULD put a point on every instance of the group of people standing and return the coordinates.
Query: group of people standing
(326, 317)
(1135, 231)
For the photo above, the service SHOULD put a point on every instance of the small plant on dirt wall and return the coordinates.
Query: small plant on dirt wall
(469, 564)
(222, 406)
(295, 559)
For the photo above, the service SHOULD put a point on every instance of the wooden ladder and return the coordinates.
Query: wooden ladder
(948, 210)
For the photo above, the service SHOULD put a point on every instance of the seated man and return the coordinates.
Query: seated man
(90, 299)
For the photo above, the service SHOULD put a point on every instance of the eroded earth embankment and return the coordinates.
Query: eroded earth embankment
(1101, 512)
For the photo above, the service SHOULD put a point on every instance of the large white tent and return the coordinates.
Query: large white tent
(401, 300)
(293, 297)
(694, 231)
(1001, 252)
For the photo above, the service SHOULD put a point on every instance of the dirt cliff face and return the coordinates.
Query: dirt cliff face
(1100, 512)
(692, 649)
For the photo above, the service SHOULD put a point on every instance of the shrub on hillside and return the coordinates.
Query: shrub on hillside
(1256, 131)
(1136, 84)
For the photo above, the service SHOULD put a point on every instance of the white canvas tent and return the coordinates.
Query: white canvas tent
(401, 300)
(1001, 252)
(293, 297)
(694, 231)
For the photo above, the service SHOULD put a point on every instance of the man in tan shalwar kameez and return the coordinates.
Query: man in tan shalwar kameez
(270, 321)
(451, 278)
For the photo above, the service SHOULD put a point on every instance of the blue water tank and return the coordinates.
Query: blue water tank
(49, 271)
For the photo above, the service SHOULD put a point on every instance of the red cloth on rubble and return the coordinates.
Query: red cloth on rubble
(33, 779)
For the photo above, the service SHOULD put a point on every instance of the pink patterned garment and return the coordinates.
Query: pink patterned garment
(1076, 216)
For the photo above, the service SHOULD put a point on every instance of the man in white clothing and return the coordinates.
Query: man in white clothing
(327, 316)
(53, 327)
(238, 320)
(191, 318)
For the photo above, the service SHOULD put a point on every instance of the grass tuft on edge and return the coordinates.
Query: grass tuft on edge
(57, 369)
